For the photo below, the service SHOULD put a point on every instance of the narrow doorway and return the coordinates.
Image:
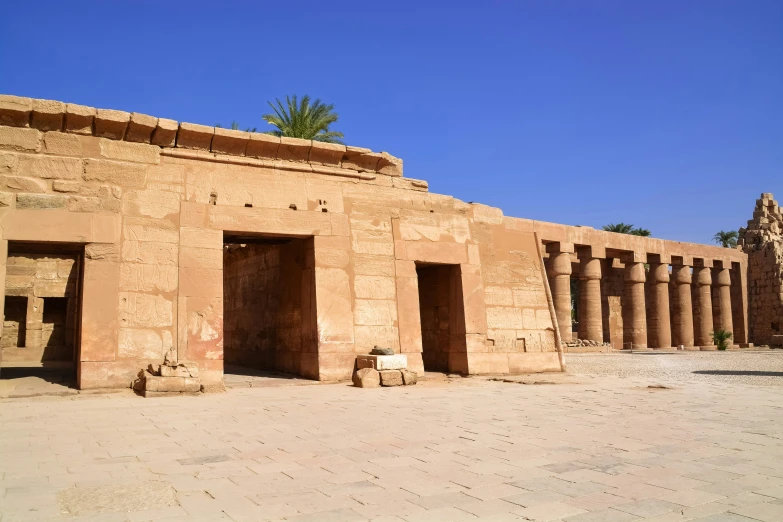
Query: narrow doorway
(441, 307)
(269, 306)
(40, 336)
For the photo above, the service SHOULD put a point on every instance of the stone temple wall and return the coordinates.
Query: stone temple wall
(762, 240)
(152, 209)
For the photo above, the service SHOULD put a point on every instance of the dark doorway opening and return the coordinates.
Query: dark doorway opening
(269, 306)
(42, 309)
(442, 311)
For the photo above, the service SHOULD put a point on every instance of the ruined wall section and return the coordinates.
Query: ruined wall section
(762, 240)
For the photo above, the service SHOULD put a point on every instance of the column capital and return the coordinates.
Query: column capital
(682, 274)
(591, 268)
(723, 276)
(659, 272)
(703, 275)
(559, 264)
(635, 273)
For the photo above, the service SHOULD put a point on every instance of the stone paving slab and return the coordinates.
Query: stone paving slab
(586, 449)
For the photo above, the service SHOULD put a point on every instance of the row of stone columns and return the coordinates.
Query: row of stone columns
(659, 333)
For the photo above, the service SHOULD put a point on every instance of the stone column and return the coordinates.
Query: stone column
(723, 281)
(560, 281)
(683, 320)
(661, 331)
(590, 315)
(636, 330)
(703, 278)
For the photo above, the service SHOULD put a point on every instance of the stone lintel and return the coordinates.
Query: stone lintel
(682, 260)
(591, 251)
(560, 247)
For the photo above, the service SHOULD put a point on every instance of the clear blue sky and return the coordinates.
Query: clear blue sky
(665, 114)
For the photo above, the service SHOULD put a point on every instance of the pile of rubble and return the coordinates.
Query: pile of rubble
(575, 343)
(169, 378)
(382, 368)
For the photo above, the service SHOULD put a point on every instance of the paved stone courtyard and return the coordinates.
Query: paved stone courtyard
(652, 445)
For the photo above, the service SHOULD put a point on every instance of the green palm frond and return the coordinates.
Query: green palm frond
(726, 239)
(303, 119)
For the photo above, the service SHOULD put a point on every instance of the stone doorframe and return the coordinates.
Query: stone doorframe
(202, 228)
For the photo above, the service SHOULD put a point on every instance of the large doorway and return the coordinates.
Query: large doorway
(269, 305)
(42, 305)
(441, 306)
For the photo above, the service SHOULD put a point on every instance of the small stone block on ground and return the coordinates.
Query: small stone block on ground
(408, 377)
(382, 362)
(391, 378)
(366, 378)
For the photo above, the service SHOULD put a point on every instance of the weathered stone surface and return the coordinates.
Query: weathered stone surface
(366, 378)
(6, 199)
(140, 128)
(378, 350)
(39, 201)
(47, 115)
(229, 141)
(28, 140)
(124, 151)
(391, 378)
(262, 146)
(62, 143)
(110, 123)
(382, 362)
(124, 174)
(165, 134)
(66, 186)
(15, 110)
(47, 167)
(144, 310)
(108, 252)
(192, 136)
(79, 118)
(409, 378)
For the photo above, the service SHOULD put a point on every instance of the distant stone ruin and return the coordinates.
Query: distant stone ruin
(762, 240)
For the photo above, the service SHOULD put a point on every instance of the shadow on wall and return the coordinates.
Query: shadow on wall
(739, 372)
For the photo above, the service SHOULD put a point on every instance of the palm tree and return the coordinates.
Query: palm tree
(303, 119)
(625, 228)
(235, 126)
(726, 239)
(620, 228)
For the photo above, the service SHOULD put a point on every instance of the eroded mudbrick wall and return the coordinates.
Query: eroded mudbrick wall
(338, 248)
(763, 242)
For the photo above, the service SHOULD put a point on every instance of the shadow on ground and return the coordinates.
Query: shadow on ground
(739, 372)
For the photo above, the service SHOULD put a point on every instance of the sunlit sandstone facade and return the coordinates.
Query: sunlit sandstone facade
(296, 256)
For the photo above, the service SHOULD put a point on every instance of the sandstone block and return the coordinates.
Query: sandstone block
(144, 310)
(20, 139)
(140, 128)
(776, 340)
(24, 184)
(391, 378)
(262, 146)
(366, 378)
(165, 134)
(84, 204)
(193, 136)
(150, 252)
(294, 149)
(382, 362)
(65, 186)
(9, 163)
(389, 165)
(148, 278)
(409, 378)
(105, 251)
(229, 141)
(155, 383)
(152, 203)
(374, 287)
(123, 174)
(6, 199)
(48, 167)
(39, 201)
(79, 118)
(375, 312)
(62, 143)
(48, 115)
(110, 123)
(125, 151)
(360, 159)
(216, 387)
(137, 343)
(326, 153)
(15, 110)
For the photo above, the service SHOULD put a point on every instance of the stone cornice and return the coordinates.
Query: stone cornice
(172, 137)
